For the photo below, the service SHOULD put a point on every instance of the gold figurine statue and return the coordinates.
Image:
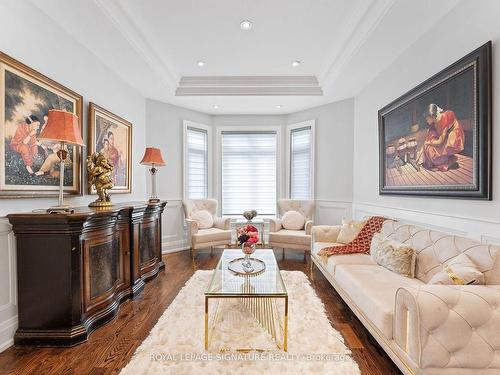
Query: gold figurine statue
(99, 171)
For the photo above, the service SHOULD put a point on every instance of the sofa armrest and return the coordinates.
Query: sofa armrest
(222, 222)
(192, 227)
(308, 226)
(436, 325)
(325, 233)
(274, 225)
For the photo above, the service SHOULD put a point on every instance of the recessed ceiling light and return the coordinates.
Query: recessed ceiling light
(246, 25)
(200, 63)
(279, 106)
(295, 63)
(215, 106)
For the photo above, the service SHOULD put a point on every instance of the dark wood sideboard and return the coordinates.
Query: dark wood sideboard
(75, 269)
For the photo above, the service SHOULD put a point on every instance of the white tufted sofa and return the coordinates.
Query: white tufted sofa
(219, 234)
(425, 329)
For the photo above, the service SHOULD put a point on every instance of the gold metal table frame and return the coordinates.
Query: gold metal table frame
(260, 294)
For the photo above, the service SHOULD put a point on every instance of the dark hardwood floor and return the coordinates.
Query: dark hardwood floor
(111, 347)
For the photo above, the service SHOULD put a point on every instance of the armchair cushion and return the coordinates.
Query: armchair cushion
(297, 237)
(210, 235)
(450, 326)
(293, 220)
(203, 218)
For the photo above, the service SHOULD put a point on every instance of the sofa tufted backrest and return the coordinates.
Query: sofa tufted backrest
(305, 207)
(193, 205)
(435, 248)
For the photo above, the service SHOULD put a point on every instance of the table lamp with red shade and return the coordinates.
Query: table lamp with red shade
(62, 127)
(152, 156)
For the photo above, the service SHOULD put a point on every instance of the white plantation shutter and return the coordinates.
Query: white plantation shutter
(196, 163)
(301, 163)
(249, 172)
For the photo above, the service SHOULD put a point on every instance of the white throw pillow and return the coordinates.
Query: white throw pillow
(458, 271)
(395, 256)
(204, 219)
(350, 230)
(293, 220)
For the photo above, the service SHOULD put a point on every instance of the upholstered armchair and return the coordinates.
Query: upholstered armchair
(205, 229)
(292, 231)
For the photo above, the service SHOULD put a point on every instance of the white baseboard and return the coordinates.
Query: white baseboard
(7, 330)
(174, 246)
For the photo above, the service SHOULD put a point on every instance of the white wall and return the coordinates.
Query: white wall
(438, 48)
(165, 126)
(334, 141)
(28, 36)
(334, 165)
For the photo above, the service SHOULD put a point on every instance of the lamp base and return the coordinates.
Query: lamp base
(60, 210)
(154, 200)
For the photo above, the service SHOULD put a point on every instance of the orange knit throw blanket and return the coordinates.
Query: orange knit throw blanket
(362, 242)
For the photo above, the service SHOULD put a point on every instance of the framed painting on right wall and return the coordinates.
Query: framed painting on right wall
(435, 140)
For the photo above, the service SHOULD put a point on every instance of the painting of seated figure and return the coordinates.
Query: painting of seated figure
(28, 165)
(435, 140)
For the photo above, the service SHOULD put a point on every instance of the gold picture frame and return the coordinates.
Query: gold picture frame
(112, 135)
(29, 167)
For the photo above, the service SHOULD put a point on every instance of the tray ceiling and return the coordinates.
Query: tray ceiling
(155, 45)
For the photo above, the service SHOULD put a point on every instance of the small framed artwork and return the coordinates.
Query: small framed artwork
(29, 167)
(436, 139)
(112, 135)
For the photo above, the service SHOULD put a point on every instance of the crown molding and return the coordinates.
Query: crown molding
(118, 15)
(355, 35)
(248, 85)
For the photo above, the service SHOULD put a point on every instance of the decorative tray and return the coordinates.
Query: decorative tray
(236, 266)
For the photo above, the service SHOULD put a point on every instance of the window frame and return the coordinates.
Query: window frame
(245, 129)
(208, 129)
(289, 129)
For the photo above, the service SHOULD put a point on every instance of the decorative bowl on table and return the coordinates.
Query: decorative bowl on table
(249, 215)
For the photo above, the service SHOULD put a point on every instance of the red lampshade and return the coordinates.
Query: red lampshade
(62, 126)
(152, 156)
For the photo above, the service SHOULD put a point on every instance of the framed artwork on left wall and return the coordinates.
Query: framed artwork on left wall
(112, 135)
(29, 167)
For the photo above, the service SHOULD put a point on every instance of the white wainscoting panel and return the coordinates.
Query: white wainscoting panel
(173, 227)
(330, 212)
(485, 231)
(8, 285)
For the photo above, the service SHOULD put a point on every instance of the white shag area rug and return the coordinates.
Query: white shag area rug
(175, 344)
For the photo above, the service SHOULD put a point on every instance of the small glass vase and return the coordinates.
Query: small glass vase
(247, 251)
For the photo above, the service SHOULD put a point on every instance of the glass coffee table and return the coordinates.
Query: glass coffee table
(263, 295)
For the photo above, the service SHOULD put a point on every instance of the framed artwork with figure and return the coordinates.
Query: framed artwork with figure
(436, 139)
(112, 135)
(29, 167)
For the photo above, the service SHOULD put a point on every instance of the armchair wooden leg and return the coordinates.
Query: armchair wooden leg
(283, 253)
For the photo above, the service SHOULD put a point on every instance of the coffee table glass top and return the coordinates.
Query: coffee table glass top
(225, 283)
